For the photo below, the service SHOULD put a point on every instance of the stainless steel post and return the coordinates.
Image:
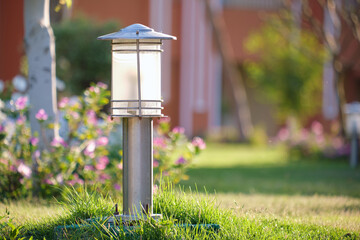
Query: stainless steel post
(138, 166)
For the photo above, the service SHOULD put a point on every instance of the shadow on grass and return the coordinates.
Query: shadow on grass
(293, 178)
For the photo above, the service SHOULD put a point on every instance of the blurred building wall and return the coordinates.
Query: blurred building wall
(11, 37)
(192, 69)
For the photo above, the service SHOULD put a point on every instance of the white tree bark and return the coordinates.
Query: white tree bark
(40, 50)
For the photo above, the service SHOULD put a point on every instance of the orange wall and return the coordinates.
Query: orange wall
(172, 107)
(125, 11)
(240, 23)
(11, 37)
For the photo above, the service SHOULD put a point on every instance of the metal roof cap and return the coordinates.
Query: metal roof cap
(136, 31)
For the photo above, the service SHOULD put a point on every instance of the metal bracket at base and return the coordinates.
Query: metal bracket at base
(132, 219)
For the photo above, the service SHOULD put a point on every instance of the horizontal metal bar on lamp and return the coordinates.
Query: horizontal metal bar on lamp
(155, 108)
(133, 115)
(134, 50)
(134, 42)
(137, 100)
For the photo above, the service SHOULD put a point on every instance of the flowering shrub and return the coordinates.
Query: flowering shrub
(307, 142)
(80, 156)
(14, 151)
(83, 153)
(173, 152)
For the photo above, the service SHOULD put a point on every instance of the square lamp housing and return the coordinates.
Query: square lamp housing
(136, 71)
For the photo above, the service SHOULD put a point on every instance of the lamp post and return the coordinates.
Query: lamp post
(136, 98)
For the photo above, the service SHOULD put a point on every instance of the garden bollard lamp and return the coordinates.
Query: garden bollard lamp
(136, 98)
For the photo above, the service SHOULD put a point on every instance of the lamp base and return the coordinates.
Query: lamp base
(129, 220)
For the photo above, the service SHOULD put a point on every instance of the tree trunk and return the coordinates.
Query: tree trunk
(234, 84)
(40, 50)
(332, 31)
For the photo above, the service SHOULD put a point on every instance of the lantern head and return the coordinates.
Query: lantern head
(136, 71)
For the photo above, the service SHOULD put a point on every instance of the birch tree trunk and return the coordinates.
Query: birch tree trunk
(40, 50)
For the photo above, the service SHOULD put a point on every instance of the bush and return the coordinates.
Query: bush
(81, 58)
(288, 67)
(85, 153)
(312, 142)
(173, 152)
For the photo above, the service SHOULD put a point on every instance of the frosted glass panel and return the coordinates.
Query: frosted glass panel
(150, 72)
(124, 76)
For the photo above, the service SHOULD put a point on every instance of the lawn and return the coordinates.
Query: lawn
(265, 182)
(269, 196)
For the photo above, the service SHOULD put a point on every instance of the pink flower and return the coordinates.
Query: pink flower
(181, 160)
(89, 150)
(37, 154)
(20, 103)
(155, 163)
(21, 120)
(283, 134)
(59, 178)
(89, 168)
(2, 129)
(117, 187)
(164, 120)
(41, 115)
(155, 189)
(102, 163)
(49, 181)
(63, 102)
(198, 142)
(102, 85)
(58, 142)
(304, 134)
(91, 117)
(159, 142)
(34, 141)
(102, 141)
(75, 180)
(104, 176)
(13, 168)
(178, 130)
(75, 115)
(94, 89)
(100, 166)
(24, 170)
(317, 128)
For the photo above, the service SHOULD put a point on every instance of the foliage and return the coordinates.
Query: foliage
(81, 58)
(173, 153)
(288, 69)
(84, 153)
(8, 228)
(61, 3)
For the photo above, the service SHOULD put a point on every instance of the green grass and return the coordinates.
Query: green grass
(232, 168)
(260, 194)
(177, 207)
(263, 182)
